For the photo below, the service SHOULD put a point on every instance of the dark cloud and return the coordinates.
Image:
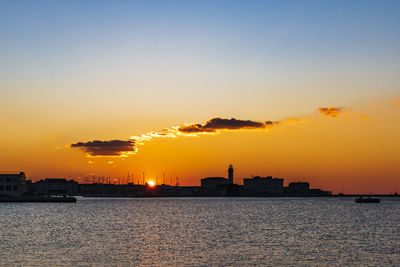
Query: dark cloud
(121, 148)
(330, 112)
(216, 124)
(106, 148)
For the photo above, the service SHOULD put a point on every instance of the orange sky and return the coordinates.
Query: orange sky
(72, 73)
(356, 151)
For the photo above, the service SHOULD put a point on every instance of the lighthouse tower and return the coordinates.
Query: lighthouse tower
(230, 174)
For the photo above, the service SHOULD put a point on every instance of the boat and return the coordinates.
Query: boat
(367, 200)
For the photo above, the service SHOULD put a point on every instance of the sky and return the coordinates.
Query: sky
(304, 90)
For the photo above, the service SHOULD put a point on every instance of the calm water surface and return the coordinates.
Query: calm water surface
(199, 232)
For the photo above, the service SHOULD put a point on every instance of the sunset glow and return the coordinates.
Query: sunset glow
(182, 90)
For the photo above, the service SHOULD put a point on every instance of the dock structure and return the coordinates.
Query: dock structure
(38, 199)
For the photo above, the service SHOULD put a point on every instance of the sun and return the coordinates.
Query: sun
(151, 183)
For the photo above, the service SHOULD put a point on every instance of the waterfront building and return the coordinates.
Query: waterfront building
(230, 174)
(214, 187)
(298, 189)
(263, 186)
(211, 182)
(55, 186)
(12, 185)
(320, 193)
(99, 190)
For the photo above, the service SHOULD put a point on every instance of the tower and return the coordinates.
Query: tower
(230, 174)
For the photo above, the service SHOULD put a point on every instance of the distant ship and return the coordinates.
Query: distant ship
(367, 200)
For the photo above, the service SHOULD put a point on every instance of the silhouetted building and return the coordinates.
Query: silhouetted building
(131, 190)
(302, 189)
(211, 182)
(298, 189)
(12, 184)
(267, 186)
(107, 190)
(320, 193)
(230, 174)
(55, 186)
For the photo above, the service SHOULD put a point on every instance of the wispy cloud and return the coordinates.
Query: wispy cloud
(113, 148)
(331, 111)
(122, 148)
(294, 120)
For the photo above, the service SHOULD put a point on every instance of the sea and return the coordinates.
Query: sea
(201, 232)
